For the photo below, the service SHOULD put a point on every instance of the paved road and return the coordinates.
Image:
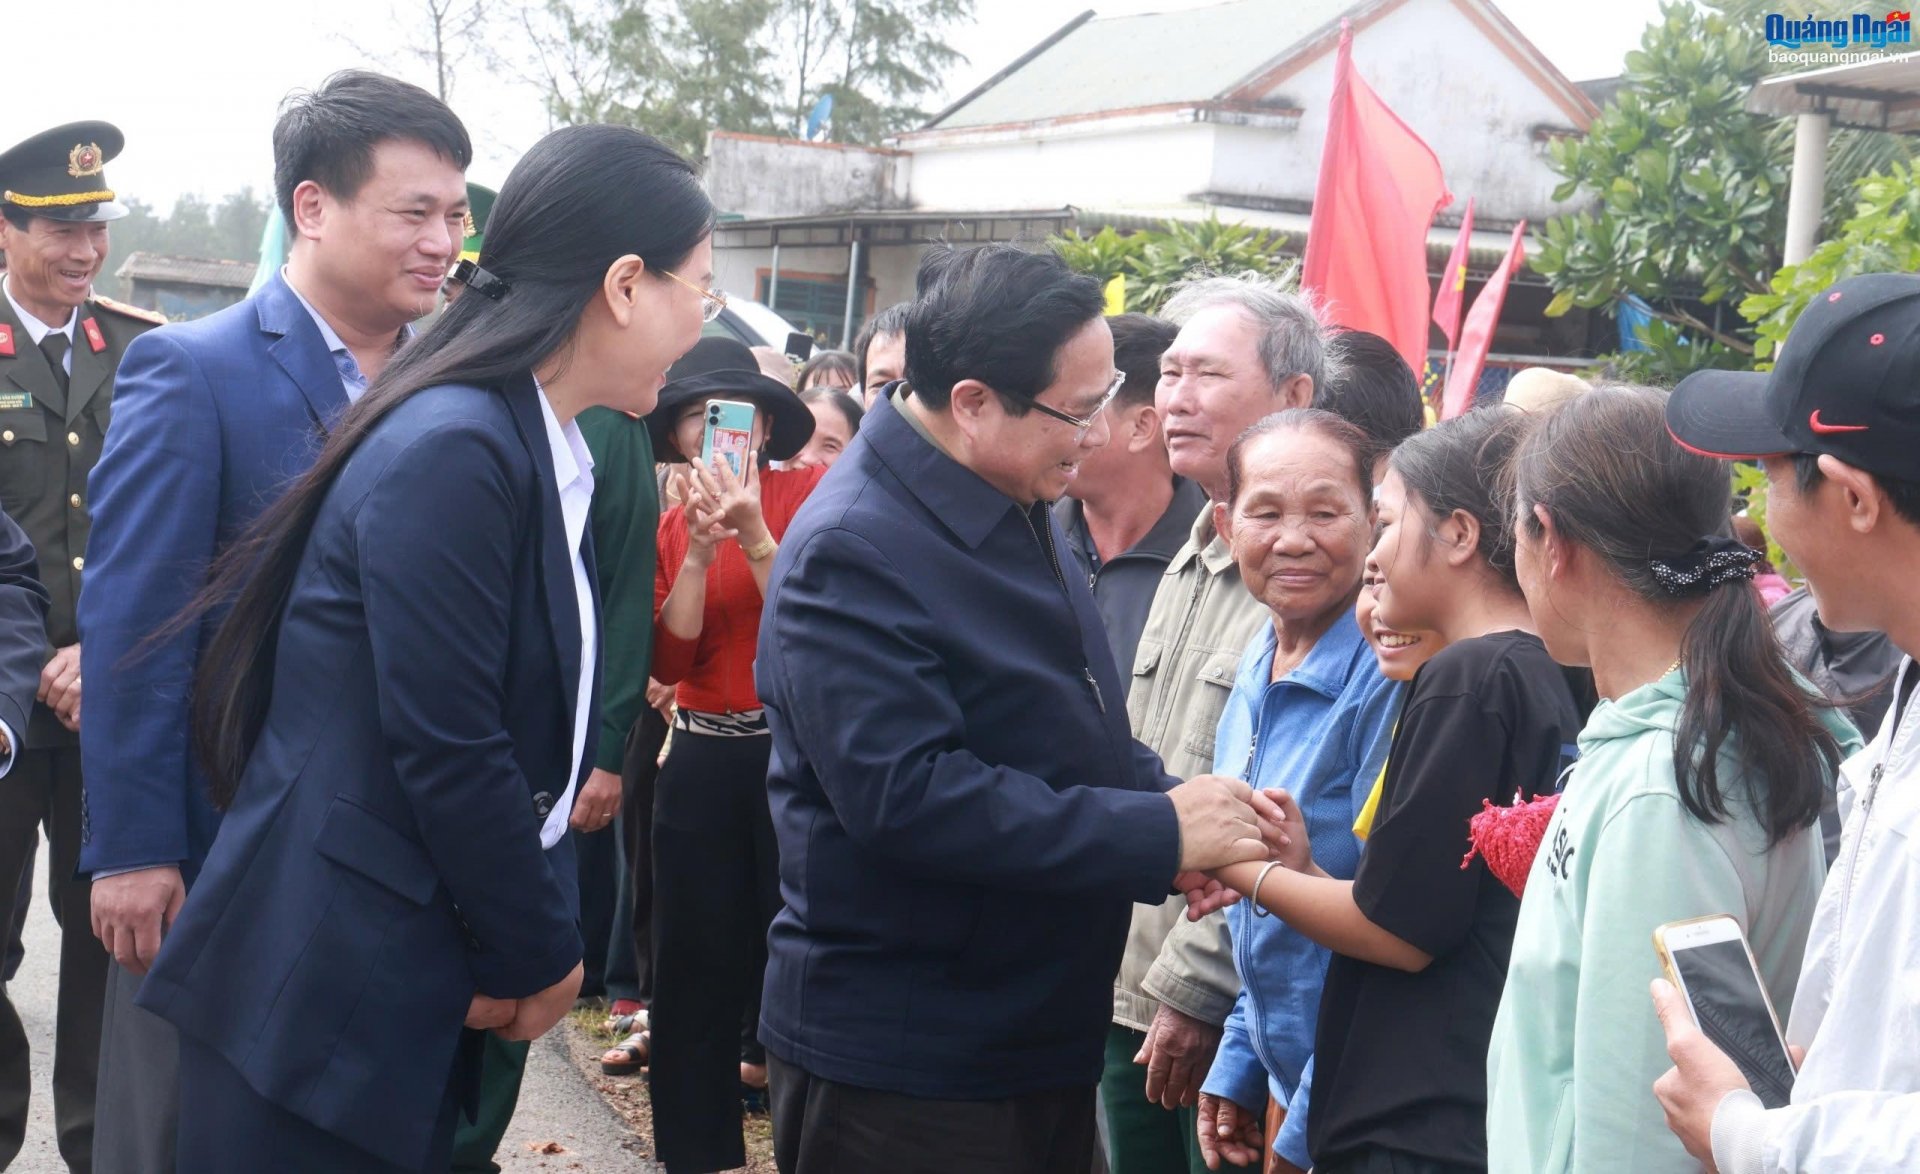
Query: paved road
(556, 1103)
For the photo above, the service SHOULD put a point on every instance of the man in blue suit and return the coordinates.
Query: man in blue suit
(212, 419)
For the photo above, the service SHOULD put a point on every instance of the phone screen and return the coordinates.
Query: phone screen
(1726, 998)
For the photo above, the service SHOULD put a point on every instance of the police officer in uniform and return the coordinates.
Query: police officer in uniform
(59, 346)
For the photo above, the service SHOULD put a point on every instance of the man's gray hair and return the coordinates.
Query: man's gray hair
(1293, 335)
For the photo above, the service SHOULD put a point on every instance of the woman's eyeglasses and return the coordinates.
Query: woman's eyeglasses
(714, 302)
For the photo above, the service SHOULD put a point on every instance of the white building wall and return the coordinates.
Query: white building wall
(757, 176)
(1105, 163)
(1449, 82)
(1433, 65)
(737, 271)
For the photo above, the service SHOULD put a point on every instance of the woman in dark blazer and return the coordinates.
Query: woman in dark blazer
(395, 710)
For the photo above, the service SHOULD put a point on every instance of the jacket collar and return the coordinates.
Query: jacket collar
(959, 497)
(27, 370)
(1329, 667)
(300, 350)
(1204, 544)
(1161, 542)
(556, 561)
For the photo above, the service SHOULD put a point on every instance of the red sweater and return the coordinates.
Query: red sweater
(715, 672)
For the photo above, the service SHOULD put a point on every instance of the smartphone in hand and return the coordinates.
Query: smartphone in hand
(729, 434)
(1708, 959)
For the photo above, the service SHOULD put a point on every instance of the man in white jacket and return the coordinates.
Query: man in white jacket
(1836, 424)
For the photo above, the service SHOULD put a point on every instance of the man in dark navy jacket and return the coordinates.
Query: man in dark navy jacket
(964, 819)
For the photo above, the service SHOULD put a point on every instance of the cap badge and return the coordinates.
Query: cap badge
(1834, 296)
(1876, 340)
(1823, 429)
(84, 160)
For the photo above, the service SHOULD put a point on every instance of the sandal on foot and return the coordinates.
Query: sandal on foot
(622, 1010)
(632, 1055)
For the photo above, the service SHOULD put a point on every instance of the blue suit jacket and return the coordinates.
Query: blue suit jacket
(212, 419)
(964, 818)
(381, 861)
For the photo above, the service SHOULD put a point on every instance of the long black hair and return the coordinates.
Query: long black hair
(581, 199)
(1461, 464)
(1613, 482)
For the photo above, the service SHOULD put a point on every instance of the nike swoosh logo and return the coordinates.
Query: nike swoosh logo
(1813, 422)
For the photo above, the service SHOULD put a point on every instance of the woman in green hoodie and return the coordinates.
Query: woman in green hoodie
(1697, 789)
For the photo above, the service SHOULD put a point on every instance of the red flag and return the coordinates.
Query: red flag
(1453, 283)
(1476, 337)
(1379, 188)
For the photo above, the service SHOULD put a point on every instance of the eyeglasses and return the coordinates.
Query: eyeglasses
(715, 302)
(1084, 424)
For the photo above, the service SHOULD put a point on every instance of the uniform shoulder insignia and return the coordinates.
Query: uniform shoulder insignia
(126, 311)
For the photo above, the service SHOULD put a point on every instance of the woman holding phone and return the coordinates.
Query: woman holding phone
(395, 711)
(716, 872)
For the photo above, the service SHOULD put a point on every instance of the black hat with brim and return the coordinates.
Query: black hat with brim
(1724, 414)
(1845, 383)
(724, 368)
(60, 174)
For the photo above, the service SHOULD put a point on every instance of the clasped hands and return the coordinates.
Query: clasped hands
(528, 1018)
(1224, 822)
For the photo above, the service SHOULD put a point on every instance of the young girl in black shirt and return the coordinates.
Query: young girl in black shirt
(1420, 944)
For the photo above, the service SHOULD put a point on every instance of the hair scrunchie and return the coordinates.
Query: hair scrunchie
(1705, 565)
(480, 281)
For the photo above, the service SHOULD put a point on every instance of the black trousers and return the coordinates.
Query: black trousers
(598, 859)
(822, 1127)
(44, 789)
(716, 887)
(638, 774)
(1381, 1161)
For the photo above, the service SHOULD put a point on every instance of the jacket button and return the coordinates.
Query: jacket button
(74, 501)
(7, 436)
(543, 804)
(79, 564)
(73, 439)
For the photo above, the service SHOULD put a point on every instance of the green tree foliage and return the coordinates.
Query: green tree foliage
(1155, 261)
(681, 68)
(1689, 189)
(229, 230)
(1882, 236)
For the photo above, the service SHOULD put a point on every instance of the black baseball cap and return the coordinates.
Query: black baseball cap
(1846, 382)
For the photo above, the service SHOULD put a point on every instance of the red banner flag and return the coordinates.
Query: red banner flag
(1453, 283)
(1378, 190)
(1476, 337)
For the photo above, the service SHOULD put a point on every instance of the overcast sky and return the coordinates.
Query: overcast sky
(194, 84)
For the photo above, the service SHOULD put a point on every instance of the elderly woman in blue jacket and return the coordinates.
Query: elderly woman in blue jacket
(1310, 713)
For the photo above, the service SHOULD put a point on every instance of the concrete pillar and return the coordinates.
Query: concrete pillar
(853, 291)
(1808, 195)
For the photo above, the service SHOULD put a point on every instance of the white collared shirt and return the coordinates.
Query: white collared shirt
(36, 329)
(573, 473)
(352, 378)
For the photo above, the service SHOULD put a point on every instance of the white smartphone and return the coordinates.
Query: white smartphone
(1709, 960)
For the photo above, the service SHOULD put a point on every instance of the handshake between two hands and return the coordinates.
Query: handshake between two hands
(1224, 822)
